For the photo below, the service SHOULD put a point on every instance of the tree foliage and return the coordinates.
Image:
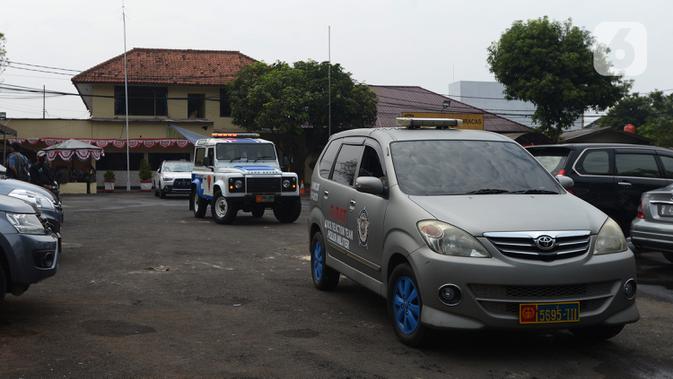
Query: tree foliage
(281, 97)
(652, 114)
(551, 64)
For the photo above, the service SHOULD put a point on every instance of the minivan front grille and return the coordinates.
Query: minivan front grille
(257, 185)
(545, 246)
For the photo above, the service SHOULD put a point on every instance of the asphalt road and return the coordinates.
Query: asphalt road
(144, 289)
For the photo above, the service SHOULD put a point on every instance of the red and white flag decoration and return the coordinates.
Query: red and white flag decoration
(135, 143)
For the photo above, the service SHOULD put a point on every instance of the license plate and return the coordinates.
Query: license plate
(264, 198)
(666, 210)
(549, 313)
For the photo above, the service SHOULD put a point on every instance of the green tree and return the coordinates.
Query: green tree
(652, 114)
(551, 64)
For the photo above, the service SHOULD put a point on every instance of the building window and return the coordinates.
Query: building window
(196, 106)
(225, 106)
(143, 101)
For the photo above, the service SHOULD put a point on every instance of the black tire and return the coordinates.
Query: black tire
(598, 333)
(287, 211)
(3, 283)
(324, 277)
(199, 205)
(416, 336)
(258, 212)
(669, 257)
(224, 212)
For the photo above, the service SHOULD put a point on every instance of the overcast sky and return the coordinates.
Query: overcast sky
(429, 43)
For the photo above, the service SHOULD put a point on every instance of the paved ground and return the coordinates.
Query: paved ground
(145, 289)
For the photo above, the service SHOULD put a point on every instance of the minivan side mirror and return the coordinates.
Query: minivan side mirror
(565, 181)
(369, 184)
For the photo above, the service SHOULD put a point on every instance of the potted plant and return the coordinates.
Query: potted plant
(109, 180)
(145, 175)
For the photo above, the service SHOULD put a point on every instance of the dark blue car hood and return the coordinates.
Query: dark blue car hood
(7, 185)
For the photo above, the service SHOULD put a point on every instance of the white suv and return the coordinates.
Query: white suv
(238, 171)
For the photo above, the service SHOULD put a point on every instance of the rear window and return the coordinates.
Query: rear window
(668, 165)
(641, 165)
(552, 159)
(595, 162)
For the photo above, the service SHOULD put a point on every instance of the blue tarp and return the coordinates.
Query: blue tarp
(188, 134)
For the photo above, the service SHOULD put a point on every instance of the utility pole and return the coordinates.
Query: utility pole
(126, 105)
(44, 108)
(329, 80)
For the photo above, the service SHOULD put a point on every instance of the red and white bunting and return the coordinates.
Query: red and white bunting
(136, 143)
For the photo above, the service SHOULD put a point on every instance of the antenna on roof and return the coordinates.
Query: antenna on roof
(126, 104)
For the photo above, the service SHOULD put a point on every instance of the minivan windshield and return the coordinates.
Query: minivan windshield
(455, 167)
(250, 152)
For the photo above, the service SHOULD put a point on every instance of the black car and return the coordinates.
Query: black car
(612, 177)
(29, 251)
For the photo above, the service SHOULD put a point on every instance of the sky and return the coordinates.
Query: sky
(429, 43)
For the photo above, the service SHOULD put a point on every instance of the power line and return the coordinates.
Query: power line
(42, 66)
(38, 70)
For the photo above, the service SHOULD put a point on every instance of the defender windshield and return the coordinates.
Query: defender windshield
(178, 166)
(442, 167)
(251, 152)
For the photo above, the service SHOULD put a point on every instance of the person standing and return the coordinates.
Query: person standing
(17, 163)
(40, 173)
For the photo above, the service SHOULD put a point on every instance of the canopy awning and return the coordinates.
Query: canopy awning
(188, 134)
(73, 148)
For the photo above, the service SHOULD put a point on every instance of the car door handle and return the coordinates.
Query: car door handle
(624, 183)
(325, 194)
(351, 204)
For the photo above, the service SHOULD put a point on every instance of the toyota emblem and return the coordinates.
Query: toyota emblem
(545, 243)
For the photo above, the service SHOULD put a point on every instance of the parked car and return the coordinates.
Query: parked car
(173, 177)
(611, 177)
(29, 251)
(48, 204)
(463, 229)
(652, 229)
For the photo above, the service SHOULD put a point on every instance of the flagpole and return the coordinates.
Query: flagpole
(126, 105)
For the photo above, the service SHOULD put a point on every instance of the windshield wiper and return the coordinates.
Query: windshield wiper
(487, 191)
(262, 158)
(235, 159)
(536, 191)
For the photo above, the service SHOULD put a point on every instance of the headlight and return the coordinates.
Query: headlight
(236, 185)
(610, 239)
(289, 184)
(165, 179)
(448, 240)
(26, 223)
(39, 200)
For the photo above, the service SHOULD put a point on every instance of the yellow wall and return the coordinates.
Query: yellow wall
(103, 107)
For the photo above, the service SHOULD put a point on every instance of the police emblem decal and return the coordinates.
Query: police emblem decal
(363, 227)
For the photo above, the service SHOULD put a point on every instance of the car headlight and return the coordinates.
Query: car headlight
(26, 223)
(236, 185)
(610, 239)
(289, 184)
(39, 200)
(446, 239)
(165, 179)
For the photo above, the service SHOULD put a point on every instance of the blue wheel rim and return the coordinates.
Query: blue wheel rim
(318, 261)
(406, 305)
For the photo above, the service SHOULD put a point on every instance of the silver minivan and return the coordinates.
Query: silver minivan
(464, 229)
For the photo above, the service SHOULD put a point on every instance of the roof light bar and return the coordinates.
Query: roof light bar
(439, 123)
(234, 135)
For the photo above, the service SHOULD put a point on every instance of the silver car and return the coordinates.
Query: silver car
(652, 229)
(464, 229)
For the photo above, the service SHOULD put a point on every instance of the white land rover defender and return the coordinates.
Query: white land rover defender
(239, 171)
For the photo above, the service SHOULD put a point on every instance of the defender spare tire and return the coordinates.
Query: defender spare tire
(287, 210)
